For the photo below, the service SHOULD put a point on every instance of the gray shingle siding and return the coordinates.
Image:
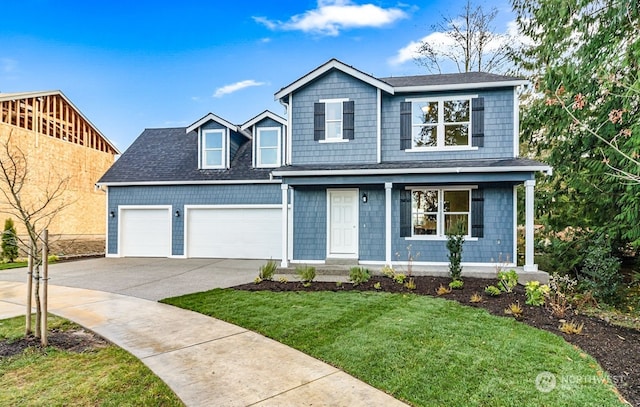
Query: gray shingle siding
(310, 223)
(179, 196)
(372, 225)
(333, 85)
(498, 133)
(269, 122)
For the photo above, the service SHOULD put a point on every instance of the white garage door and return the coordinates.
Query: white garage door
(145, 232)
(240, 233)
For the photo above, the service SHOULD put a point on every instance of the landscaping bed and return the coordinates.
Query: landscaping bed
(614, 347)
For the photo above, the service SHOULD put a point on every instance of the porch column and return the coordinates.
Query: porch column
(387, 219)
(285, 225)
(529, 264)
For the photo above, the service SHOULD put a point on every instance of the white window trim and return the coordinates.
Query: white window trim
(441, 125)
(258, 147)
(440, 214)
(223, 152)
(341, 139)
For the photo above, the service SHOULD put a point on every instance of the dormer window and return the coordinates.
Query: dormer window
(213, 149)
(268, 147)
(333, 120)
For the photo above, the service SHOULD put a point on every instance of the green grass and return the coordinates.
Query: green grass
(4, 265)
(426, 351)
(105, 377)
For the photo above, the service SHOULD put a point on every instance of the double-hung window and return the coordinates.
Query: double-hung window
(333, 120)
(268, 147)
(435, 212)
(213, 149)
(440, 123)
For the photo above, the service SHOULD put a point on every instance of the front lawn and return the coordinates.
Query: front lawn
(426, 351)
(103, 375)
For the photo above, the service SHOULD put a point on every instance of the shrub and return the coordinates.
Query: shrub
(377, 286)
(455, 240)
(411, 284)
(399, 278)
(507, 280)
(9, 241)
(388, 271)
(442, 290)
(267, 271)
(306, 273)
(561, 290)
(515, 310)
(535, 293)
(571, 328)
(492, 291)
(359, 275)
(283, 280)
(456, 284)
(475, 298)
(601, 273)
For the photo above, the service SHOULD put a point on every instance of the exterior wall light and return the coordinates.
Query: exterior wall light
(177, 214)
(365, 198)
(112, 214)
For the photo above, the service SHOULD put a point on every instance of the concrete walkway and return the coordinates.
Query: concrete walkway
(205, 361)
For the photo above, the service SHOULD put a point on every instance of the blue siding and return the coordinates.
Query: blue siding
(372, 225)
(334, 84)
(310, 224)
(268, 122)
(178, 196)
(498, 132)
(496, 243)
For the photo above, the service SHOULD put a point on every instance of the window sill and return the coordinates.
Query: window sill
(337, 140)
(439, 238)
(268, 166)
(440, 149)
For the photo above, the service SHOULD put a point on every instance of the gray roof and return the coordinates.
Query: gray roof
(448, 79)
(167, 155)
(497, 164)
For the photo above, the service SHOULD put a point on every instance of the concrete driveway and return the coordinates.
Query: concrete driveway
(148, 278)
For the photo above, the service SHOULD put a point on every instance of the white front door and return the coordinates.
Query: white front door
(343, 223)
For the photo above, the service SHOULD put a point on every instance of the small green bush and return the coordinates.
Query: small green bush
(9, 241)
(507, 280)
(601, 273)
(492, 291)
(535, 293)
(399, 278)
(306, 273)
(359, 275)
(388, 271)
(267, 271)
(456, 284)
(455, 240)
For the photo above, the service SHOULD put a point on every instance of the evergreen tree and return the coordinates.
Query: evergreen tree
(9, 241)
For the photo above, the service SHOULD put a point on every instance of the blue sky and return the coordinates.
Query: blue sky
(131, 65)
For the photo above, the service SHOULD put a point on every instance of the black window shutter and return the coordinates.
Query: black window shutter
(477, 213)
(405, 125)
(318, 121)
(405, 213)
(348, 124)
(477, 122)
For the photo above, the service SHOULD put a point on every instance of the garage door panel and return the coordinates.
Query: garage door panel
(250, 233)
(145, 232)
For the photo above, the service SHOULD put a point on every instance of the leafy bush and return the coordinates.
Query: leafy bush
(571, 328)
(455, 240)
(515, 310)
(601, 273)
(492, 291)
(475, 298)
(388, 271)
(411, 284)
(442, 290)
(306, 273)
(561, 290)
(359, 275)
(456, 284)
(377, 286)
(399, 278)
(535, 293)
(9, 241)
(267, 271)
(507, 280)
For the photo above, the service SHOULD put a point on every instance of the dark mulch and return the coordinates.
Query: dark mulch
(73, 340)
(616, 348)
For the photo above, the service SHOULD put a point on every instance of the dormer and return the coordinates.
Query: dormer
(218, 141)
(267, 132)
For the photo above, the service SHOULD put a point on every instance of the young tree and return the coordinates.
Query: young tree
(469, 41)
(584, 61)
(9, 241)
(35, 210)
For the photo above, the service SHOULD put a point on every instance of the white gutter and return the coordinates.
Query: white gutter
(395, 171)
(205, 182)
(459, 86)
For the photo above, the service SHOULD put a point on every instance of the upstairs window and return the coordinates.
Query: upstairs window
(213, 149)
(268, 147)
(441, 123)
(333, 120)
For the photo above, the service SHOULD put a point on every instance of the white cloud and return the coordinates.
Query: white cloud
(332, 16)
(234, 87)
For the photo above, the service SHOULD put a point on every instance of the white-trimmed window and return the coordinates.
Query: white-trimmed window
(435, 211)
(333, 119)
(441, 123)
(268, 147)
(213, 148)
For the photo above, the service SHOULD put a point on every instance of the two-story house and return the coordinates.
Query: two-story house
(361, 169)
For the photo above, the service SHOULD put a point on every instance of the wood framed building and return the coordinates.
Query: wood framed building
(59, 142)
